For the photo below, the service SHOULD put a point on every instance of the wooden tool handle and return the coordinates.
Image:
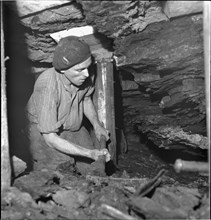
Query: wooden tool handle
(191, 166)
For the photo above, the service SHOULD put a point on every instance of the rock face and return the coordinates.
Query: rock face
(120, 18)
(166, 62)
(36, 27)
(41, 45)
(159, 61)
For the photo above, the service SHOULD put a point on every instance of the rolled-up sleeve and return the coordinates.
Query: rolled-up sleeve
(45, 102)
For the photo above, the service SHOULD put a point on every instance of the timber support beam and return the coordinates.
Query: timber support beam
(5, 157)
(104, 100)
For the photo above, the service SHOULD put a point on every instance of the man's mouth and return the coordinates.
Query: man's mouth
(82, 80)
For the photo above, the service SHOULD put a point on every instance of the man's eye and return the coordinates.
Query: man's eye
(80, 70)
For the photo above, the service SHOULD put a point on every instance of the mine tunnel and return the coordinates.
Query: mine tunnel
(151, 77)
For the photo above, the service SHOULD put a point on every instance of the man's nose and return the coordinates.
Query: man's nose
(85, 72)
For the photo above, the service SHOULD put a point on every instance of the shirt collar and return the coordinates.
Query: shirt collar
(66, 83)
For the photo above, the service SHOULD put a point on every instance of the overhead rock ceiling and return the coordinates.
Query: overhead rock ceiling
(114, 19)
(120, 18)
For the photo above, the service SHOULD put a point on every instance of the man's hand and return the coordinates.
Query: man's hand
(101, 131)
(96, 153)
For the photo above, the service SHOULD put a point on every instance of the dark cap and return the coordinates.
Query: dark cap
(69, 52)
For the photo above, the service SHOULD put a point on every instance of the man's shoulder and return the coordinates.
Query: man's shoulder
(49, 73)
(47, 78)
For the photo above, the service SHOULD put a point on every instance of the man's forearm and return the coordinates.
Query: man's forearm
(90, 112)
(60, 144)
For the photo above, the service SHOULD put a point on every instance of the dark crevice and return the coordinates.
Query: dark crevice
(44, 199)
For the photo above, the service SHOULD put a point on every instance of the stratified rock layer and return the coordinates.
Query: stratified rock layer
(121, 18)
(165, 62)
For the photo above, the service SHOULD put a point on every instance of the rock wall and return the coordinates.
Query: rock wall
(36, 27)
(167, 66)
(121, 18)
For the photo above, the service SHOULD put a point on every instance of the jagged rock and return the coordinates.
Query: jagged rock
(71, 199)
(181, 8)
(166, 61)
(54, 211)
(171, 40)
(153, 210)
(121, 18)
(25, 7)
(168, 203)
(38, 183)
(177, 197)
(129, 85)
(14, 196)
(204, 210)
(11, 214)
(40, 26)
(59, 18)
(19, 165)
(170, 137)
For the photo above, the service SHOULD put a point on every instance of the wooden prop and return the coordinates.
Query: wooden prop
(98, 179)
(115, 213)
(206, 29)
(5, 159)
(151, 184)
(191, 166)
(104, 100)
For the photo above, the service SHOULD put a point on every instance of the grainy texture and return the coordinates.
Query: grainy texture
(40, 26)
(159, 58)
(120, 18)
(26, 8)
(104, 100)
(5, 159)
(165, 64)
(160, 65)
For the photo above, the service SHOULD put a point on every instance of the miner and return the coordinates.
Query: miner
(56, 109)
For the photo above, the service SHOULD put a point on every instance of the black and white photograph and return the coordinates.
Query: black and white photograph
(105, 109)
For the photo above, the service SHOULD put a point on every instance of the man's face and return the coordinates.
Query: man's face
(77, 74)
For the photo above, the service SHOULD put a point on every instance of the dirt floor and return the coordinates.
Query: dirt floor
(145, 162)
(143, 187)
